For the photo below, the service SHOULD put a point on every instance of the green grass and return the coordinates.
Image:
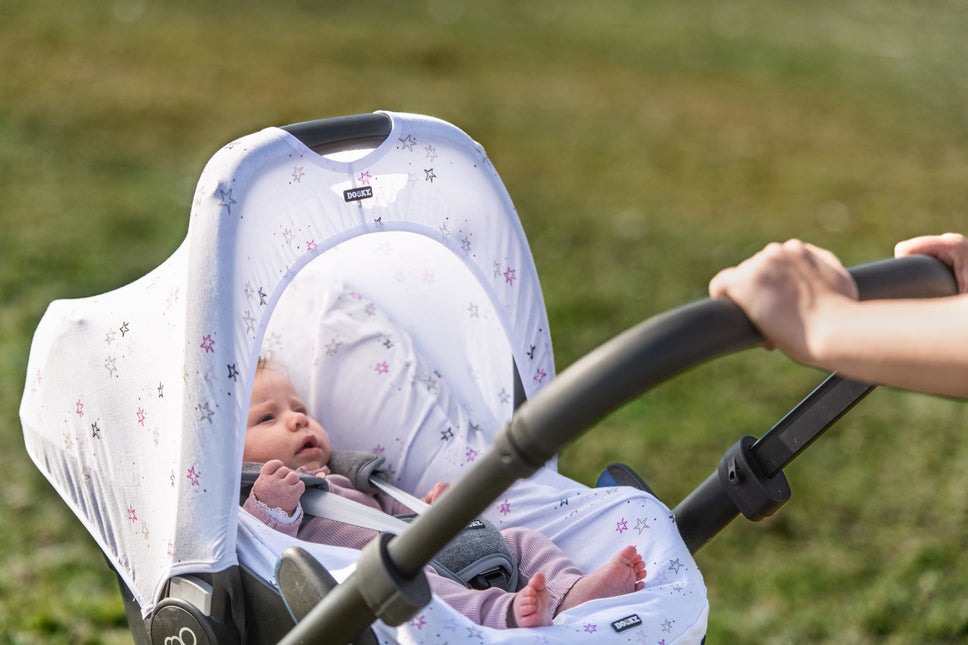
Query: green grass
(646, 146)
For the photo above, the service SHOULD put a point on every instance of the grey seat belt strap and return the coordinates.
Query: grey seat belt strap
(416, 505)
(333, 507)
(476, 559)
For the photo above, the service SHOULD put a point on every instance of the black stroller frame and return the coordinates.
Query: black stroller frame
(388, 583)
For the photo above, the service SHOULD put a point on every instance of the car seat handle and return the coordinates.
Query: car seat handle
(325, 136)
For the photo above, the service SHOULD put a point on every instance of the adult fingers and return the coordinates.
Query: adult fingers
(950, 248)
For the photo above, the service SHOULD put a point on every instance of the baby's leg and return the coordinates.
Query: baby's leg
(531, 604)
(536, 554)
(623, 574)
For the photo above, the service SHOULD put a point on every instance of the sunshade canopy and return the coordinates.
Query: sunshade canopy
(136, 400)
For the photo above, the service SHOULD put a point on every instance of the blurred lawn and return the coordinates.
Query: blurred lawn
(646, 145)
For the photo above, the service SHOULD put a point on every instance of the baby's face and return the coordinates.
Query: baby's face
(279, 428)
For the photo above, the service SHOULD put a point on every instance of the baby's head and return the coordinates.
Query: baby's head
(279, 426)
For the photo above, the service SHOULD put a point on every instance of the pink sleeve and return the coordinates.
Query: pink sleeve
(261, 512)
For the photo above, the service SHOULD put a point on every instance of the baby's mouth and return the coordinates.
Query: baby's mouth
(311, 443)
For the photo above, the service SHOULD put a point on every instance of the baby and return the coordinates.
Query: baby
(286, 439)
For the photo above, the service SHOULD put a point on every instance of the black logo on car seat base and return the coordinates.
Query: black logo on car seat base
(357, 194)
(627, 623)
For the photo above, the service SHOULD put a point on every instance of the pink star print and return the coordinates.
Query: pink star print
(208, 344)
(539, 376)
(382, 367)
(141, 417)
(510, 276)
(622, 526)
(131, 514)
(505, 508)
(193, 476)
(80, 408)
(365, 177)
(418, 622)
(591, 629)
(471, 454)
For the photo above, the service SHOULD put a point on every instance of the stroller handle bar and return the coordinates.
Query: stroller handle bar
(617, 371)
(669, 343)
(342, 133)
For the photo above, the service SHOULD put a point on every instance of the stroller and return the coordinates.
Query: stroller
(379, 258)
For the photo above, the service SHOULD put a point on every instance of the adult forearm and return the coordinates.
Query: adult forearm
(913, 344)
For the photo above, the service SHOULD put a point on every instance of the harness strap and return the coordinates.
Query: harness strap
(413, 503)
(321, 503)
(478, 558)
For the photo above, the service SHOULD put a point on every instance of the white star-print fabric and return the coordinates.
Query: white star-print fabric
(419, 287)
(372, 389)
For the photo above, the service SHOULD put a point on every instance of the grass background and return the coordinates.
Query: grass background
(646, 146)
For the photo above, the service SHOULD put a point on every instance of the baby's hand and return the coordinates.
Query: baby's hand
(436, 492)
(278, 486)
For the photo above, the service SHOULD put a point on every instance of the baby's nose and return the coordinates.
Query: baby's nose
(298, 420)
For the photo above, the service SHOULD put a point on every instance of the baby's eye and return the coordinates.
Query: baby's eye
(266, 419)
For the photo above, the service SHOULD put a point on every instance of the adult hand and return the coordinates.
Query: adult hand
(950, 248)
(789, 291)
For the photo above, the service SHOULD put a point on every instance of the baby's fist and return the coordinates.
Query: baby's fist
(436, 492)
(278, 486)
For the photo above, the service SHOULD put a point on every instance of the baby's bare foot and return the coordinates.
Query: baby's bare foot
(530, 605)
(623, 574)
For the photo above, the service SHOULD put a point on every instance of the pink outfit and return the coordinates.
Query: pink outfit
(533, 552)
